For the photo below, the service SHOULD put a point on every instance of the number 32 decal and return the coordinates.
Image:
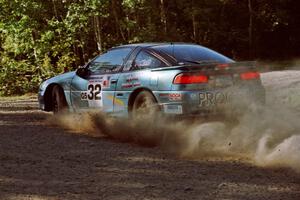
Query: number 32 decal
(94, 91)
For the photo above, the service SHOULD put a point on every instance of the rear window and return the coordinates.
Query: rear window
(194, 53)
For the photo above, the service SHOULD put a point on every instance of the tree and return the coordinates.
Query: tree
(41, 38)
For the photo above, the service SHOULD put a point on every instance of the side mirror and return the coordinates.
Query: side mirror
(82, 72)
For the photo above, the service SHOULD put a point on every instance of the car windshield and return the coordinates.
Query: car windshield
(196, 54)
(110, 61)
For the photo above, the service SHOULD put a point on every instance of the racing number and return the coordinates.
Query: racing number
(94, 92)
(97, 92)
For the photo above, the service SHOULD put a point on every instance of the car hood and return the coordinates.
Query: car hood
(65, 76)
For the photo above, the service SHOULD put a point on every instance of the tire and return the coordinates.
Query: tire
(144, 105)
(59, 103)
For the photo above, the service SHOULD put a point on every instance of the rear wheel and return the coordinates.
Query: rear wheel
(59, 102)
(146, 116)
(144, 105)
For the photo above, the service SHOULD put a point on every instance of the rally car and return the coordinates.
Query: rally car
(171, 78)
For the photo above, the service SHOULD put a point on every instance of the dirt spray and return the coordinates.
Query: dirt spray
(269, 136)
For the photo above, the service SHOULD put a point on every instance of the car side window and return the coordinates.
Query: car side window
(145, 60)
(110, 61)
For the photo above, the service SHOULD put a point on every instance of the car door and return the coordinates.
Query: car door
(136, 74)
(96, 90)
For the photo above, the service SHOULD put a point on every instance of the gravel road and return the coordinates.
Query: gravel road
(43, 161)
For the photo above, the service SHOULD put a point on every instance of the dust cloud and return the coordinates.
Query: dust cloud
(266, 136)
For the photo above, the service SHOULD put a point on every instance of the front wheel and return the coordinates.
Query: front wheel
(59, 102)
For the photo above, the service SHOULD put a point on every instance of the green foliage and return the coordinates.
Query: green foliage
(42, 38)
(18, 77)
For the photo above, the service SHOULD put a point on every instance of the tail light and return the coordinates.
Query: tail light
(190, 78)
(250, 75)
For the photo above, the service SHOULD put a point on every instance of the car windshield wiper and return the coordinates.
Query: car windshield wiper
(183, 61)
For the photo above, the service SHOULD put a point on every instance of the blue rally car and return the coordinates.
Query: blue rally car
(174, 78)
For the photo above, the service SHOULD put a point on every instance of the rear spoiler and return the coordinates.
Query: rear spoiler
(235, 67)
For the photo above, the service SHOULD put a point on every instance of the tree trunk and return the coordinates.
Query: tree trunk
(97, 31)
(116, 16)
(34, 36)
(55, 9)
(163, 16)
(250, 28)
(194, 22)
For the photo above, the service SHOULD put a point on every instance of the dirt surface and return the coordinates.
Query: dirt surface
(42, 161)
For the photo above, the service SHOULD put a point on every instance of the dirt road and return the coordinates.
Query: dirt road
(41, 161)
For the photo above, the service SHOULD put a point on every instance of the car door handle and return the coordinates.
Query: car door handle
(113, 81)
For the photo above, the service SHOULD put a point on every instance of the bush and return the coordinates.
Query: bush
(18, 77)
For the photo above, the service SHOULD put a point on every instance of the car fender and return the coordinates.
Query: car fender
(63, 80)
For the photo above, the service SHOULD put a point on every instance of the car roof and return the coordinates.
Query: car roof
(154, 44)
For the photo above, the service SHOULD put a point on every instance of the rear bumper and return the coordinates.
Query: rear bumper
(210, 102)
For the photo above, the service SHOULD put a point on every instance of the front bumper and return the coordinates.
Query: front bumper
(41, 101)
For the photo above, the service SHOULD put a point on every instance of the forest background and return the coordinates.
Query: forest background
(42, 38)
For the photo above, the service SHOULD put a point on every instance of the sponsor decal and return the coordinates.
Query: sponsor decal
(131, 81)
(173, 109)
(126, 85)
(106, 82)
(131, 78)
(171, 96)
(164, 94)
(175, 97)
(212, 99)
(130, 85)
(96, 77)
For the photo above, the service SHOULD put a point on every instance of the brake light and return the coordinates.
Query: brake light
(190, 79)
(250, 75)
